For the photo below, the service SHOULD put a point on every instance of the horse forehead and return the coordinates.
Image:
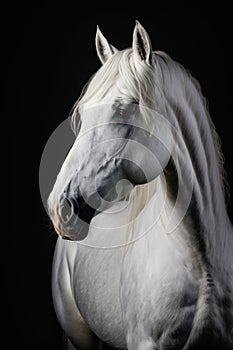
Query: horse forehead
(94, 113)
(104, 107)
(103, 117)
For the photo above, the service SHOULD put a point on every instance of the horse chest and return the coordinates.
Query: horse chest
(91, 278)
(97, 292)
(120, 293)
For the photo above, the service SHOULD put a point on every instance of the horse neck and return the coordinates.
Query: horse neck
(196, 166)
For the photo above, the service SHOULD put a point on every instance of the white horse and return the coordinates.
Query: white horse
(148, 260)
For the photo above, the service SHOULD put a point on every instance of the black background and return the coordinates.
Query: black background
(51, 55)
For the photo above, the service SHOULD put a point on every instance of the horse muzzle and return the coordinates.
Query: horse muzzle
(71, 218)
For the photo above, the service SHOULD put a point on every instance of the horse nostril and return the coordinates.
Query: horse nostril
(66, 238)
(66, 210)
(75, 206)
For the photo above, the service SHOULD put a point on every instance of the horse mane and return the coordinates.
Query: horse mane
(149, 86)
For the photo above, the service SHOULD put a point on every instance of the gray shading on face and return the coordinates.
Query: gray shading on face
(112, 153)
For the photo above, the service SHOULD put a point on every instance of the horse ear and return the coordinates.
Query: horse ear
(141, 44)
(103, 48)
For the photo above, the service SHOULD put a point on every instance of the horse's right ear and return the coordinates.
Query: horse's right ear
(141, 44)
(103, 48)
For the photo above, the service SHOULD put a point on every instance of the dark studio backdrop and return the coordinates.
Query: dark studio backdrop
(52, 55)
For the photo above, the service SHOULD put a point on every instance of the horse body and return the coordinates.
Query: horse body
(154, 268)
(161, 290)
(106, 282)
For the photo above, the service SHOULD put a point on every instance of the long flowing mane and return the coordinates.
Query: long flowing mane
(166, 87)
(147, 86)
(169, 89)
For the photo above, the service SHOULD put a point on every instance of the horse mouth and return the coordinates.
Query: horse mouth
(67, 238)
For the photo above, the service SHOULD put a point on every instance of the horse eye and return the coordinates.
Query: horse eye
(134, 101)
(122, 111)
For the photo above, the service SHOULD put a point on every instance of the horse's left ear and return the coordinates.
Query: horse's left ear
(103, 48)
(141, 44)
